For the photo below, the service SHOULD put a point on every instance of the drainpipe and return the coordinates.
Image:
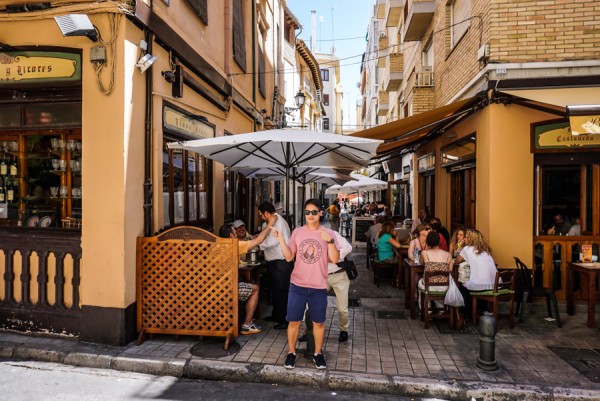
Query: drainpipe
(149, 38)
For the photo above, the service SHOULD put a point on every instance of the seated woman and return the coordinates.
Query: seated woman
(435, 259)
(457, 242)
(483, 268)
(421, 233)
(386, 242)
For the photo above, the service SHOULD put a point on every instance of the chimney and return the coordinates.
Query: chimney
(313, 30)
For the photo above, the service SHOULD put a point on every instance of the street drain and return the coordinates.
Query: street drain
(213, 348)
(384, 314)
(586, 361)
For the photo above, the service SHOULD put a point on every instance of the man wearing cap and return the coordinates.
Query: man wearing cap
(247, 292)
(240, 231)
(280, 270)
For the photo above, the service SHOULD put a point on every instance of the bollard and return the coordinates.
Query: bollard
(487, 343)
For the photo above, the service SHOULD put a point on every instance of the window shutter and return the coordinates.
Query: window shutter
(239, 38)
(461, 11)
(201, 8)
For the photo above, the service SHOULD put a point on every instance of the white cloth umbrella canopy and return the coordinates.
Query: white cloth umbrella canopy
(284, 148)
(339, 190)
(364, 183)
(304, 175)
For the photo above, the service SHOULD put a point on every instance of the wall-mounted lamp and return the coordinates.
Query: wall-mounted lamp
(76, 25)
(299, 99)
(146, 61)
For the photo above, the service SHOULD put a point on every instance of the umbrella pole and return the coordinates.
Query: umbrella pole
(287, 197)
(303, 195)
(295, 206)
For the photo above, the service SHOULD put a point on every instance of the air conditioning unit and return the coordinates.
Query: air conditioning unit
(483, 52)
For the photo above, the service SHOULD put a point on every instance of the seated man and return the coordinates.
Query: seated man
(247, 292)
(240, 231)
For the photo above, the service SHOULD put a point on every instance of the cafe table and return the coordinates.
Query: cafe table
(591, 271)
(412, 273)
(248, 272)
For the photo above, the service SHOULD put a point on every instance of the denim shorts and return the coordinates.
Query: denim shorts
(298, 297)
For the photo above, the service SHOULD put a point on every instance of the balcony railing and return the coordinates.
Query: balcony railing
(383, 50)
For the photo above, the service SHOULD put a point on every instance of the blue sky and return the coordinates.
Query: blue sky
(345, 27)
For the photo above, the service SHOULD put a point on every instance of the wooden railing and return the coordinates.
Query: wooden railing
(551, 257)
(41, 276)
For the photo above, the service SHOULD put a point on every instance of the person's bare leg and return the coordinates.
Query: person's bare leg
(319, 335)
(292, 333)
(251, 303)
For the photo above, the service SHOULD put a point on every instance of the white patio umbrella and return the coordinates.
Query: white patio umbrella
(364, 183)
(286, 149)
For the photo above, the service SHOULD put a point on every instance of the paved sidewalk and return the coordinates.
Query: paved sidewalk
(387, 352)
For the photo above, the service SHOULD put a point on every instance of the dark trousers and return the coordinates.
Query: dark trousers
(280, 272)
(467, 310)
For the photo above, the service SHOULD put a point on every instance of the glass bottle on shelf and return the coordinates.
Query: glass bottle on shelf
(10, 192)
(13, 169)
(3, 166)
(2, 192)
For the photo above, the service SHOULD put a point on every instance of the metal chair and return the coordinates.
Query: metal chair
(504, 290)
(529, 291)
(427, 296)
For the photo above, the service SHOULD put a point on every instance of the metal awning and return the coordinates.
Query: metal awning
(407, 131)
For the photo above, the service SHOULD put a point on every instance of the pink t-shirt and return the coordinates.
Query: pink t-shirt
(310, 269)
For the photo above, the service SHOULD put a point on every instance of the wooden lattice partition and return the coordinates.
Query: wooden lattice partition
(187, 284)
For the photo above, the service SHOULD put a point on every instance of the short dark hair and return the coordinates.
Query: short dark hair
(435, 225)
(433, 239)
(266, 207)
(225, 231)
(314, 202)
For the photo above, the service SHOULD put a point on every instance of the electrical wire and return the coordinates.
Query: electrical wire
(114, 20)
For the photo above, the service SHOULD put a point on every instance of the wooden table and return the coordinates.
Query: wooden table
(245, 271)
(412, 274)
(590, 270)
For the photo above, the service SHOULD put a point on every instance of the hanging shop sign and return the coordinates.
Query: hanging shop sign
(559, 135)
(187, 124)
(23, 67)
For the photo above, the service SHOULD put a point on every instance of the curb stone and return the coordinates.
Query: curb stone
(38, 354)
(363, 382)
(217, 370)
(89, 360)
(155, 366)
(196, 368)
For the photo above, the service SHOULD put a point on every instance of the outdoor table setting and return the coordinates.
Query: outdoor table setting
(591, 271)
(247, 267)
(412, 273)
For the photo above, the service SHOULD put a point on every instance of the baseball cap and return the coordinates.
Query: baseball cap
(238, 224)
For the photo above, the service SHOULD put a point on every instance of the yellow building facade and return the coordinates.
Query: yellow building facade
(87, 129)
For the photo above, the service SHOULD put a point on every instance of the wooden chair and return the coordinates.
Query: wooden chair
(531, 291)
(371, 253)
(427, 296)
(504, 290)
(379, 269)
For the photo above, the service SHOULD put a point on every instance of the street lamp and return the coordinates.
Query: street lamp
(299, 99)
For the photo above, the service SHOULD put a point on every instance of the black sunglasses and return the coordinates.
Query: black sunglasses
(313, 212)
